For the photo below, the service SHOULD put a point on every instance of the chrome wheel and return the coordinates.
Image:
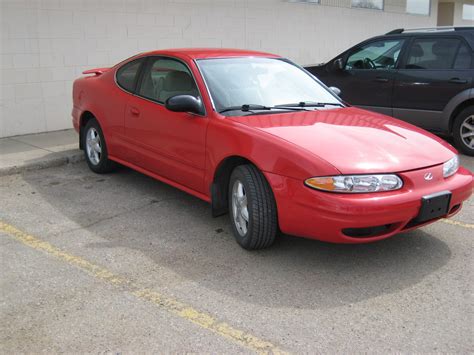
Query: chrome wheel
(240, 210)
(467, 131)
(93, 146)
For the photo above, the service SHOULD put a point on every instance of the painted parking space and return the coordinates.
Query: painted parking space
(172, 305)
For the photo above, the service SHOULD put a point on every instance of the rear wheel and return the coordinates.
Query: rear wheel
(463, 131)
(252, 208)
(95, 149)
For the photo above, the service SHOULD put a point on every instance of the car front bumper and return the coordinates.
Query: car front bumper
(361, 218)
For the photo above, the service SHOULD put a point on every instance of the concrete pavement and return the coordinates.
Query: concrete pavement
(68, 235)
(124, 263)
(38, 151)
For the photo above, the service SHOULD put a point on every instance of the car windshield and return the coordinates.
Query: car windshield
(267, 82)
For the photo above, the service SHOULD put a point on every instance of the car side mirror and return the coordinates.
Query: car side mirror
(184, 103)
(335, 90)
(339, 64)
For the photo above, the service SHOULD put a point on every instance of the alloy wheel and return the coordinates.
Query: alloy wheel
(240, 210)
(93, 146)
(467, 131)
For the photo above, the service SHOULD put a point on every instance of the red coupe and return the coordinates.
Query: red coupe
(259, 137)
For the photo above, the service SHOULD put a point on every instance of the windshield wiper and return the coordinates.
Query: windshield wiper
(255, 107)
(311, 104)
(245, 108)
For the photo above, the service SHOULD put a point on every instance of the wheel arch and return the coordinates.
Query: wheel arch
(459, 108)
(86, 116)
(220, 182)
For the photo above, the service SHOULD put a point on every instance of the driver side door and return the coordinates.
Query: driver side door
(368, 76)
(169, 144)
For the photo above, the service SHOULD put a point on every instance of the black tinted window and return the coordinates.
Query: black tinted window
(464, 58)
(164, 78)
(434, 53)
(127, 75)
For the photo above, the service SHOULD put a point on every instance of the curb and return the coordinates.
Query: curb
(54, 160)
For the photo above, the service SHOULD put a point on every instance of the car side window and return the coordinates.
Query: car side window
(463, 58)
(166, 77)
(375, 55)
(127, 74)
(438, 53)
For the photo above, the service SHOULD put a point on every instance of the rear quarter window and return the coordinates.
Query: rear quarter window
(127, 75)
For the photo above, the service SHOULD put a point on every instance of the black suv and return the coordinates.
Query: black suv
(422, 76)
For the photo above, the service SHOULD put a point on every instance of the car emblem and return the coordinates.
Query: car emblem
(428, 176)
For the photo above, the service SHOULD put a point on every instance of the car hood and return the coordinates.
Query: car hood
(355, 141)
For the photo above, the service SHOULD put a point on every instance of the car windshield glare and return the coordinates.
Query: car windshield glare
(234, 82)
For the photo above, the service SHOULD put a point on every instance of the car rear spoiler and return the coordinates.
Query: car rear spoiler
(96, 71)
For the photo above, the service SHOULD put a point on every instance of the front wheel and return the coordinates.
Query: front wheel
(252, 208)
(463, 131)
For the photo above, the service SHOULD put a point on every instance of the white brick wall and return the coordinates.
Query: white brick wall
(45, 44)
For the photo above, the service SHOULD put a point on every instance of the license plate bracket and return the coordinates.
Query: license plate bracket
(434, 206)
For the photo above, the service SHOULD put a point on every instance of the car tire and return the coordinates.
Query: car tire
(463, 125)
(252, 208)
(95, 148)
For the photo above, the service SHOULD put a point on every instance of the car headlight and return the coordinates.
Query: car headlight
(356, 183)
(451, 166)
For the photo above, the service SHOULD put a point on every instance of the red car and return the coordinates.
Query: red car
(256, 135)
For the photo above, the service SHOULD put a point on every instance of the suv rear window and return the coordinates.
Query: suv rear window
(438, 53)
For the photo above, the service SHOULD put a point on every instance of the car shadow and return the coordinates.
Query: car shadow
(176, 231)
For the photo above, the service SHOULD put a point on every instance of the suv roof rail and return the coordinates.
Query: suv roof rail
(395, 32)
(430, 29)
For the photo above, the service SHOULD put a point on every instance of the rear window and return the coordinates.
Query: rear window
(127, 75)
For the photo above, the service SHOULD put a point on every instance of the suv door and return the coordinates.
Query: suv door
(434, 70)
(368, 75)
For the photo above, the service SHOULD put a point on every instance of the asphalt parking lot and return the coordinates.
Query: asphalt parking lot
(121, 263)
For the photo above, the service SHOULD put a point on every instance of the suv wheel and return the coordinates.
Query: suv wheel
(252, 208)
(463, 131)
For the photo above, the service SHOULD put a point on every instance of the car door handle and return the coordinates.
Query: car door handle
(380, 79)
(457, 81)
(413, 83)
(134, 111)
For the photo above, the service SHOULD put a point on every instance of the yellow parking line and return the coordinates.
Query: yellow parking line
(202, 319)
(456, 223)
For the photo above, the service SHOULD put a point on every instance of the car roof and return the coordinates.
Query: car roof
(466, 32)
(206, 53)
